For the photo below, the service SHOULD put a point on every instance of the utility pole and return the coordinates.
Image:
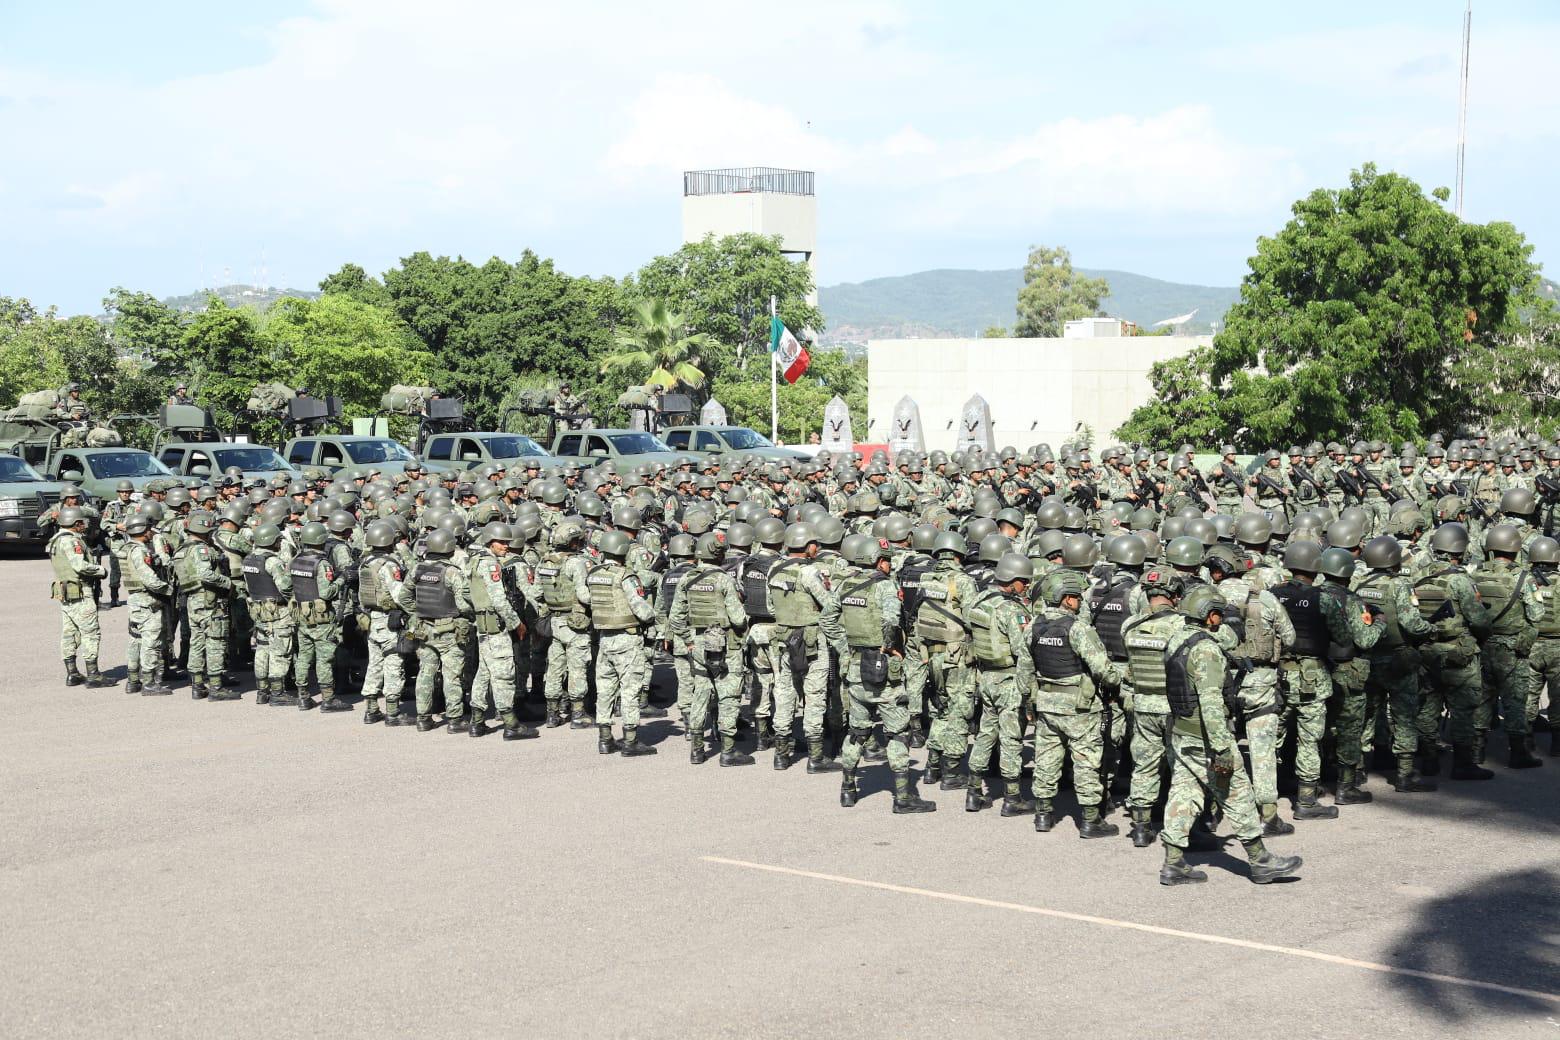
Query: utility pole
(1462, 109)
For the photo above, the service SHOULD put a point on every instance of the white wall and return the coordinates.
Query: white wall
(793, 217)
(1050, 383)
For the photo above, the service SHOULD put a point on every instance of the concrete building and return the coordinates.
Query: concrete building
(1038, 389)
(758, 199)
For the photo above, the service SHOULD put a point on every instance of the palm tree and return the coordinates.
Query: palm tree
(658, 341)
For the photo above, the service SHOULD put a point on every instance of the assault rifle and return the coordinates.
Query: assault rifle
(1548, 489)
(1283, 493)
(1391, 494)
(1305, 477)
(1465, 492)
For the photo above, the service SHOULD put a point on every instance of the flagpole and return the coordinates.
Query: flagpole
(774, 384)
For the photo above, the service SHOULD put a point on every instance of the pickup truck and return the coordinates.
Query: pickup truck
(203, 459)
(348, 454)
(448, 452)
(99, 470)
(24, 496)
(631, 446)
(736, 439)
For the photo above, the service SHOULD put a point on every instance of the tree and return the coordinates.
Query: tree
(355, 283)
(994, 332)
(339, 347)
(30, 354)
(656, 347)
(831, 373)
(1054, 294)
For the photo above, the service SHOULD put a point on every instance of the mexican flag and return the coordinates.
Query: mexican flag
(788, 353)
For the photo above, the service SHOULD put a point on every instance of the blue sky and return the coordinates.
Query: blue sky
(159, 145)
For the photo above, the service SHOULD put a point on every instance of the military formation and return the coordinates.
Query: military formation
(1188, 645)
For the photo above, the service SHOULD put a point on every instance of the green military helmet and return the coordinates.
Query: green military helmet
(710, 547)
(200, 522)
(697, 522)
(1202, 601)
(993, 547)
(267, 536)
(1449, 507)
(235, 513)
(1202, 529)
(1052, 514)
(1544, 550)
(1503, 538)
(1518, 501)
(1253, 529)
(1344, 533)
(1128, 550)
(441, 543)
(865, 502)
(1143, 519)
(749, 513)
(829, 530)
(1079, 551)
(615, 544)
(1174, 527)
(1303, 557)
(1337, 563)
(1061, 584)
(177, 497)
(1121, 511)
(861, 550)
(452, 523)
(555, 492)
(1382, 553)
(948, 543)
(566, 532)
(770, 531)
(1222, 558)
(1162, 582)
(313, 535)
(496, 531)
(1223, 527)
(316, 513)
(1014, 567)
(923, 537)
(740, 536)
(124, 485)
(681, 546)
(1074, 519)
(896, 527)
(1150, 543)
(986, 504)
(70, 516)
(1011, 516)
(139, 523)
(810, 512)
(380, 534)
(1189, 511)
(1449, 538)
(526, 529)
(879, 526)
(1050, 543)
(340, 522)
(1185, 551)
(626, 516)
(589, 505)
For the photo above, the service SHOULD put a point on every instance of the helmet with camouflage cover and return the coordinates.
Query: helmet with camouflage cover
(697, 521)
(1201, 602)
(1337, 563)
(1185, 551)
(1014, 567)
(1058, 585)
(566, 532)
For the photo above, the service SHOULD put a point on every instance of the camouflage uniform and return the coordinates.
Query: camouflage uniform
(867, 613)
(1071, 667)
(706, 620)
(147, 580)
(496, 624)
(1267, 633)
(1005, 676)
(568, 653)
(384, 675)
(269, 585)
(73, 568)
(1511, 596)
(203, 578)
(1147, 637)
(438, 597)
(941, 631)
(1450, 603)
(800, 593)
(317, 632)
(618, 613)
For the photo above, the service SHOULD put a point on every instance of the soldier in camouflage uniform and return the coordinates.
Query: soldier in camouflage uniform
(618, 613)
(269, 588)
(940, 629)
(1205, 761)
(1544, 660)
(1350, 670)
(497, 624)
(1146, 637)
(560, 573)
(680, 550)
(1449, 601)
(438, 597)
(316, 585)
(1394, 664)
(800, 591)
(706, 622)
(381, 573)
(203, 577)
(1511, 596)
(74, 568)
(148, 580)
(998, 622)
(115, 512)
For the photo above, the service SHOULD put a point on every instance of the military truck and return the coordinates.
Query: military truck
(621, 445)
(448, 441)
(25, 495)
(76, 451)
(189, 443)
(348, 454)
(740, 440)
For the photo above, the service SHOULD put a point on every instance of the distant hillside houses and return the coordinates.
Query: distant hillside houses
(259, 297)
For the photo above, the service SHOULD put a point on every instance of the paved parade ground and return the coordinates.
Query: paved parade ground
(176, 868)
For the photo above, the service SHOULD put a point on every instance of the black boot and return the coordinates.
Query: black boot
(1521, 757)
(650, 711)
(953, 778)
(577, 717)
(1349, 792)
(1013, 801)
(554, 717)
(425, 724)
(217, 693)
(917, 733)
(96, 680)
(514, 729)
(1307, 807)
(1274, 825)
(113, 596)
(72, 676)
(1266, 867)
(817, 761)
(455, 724)
(262, 691)
(848, 790)
(155, 687)
(975, 795)
(1095, 825)
(478, 726)
(132, 682)
(305, 702)
(1142, 830)
(874, 751)
(605, 744)
(227, 680)
(782, 753)
(1465, 767)
(766, 734)
(1045, 815)
(632, 748)
(906, 798)
(371, 712)
(1408, 780)
(1176, 871)
(329, 702)
(198, 691)
(934, 769)
(729, 755)
(697, 754)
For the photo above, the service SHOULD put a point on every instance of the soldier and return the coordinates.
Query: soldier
(1204, 757)
(1227, 481)
(203, 579)
(1005, 676)
(618, 613)
(269, 587)
(761, 658)
(439, 598)
(560, 573)
(1350, 670)
(497, 625)
(1449, 601)
(73, 569)
(381, 573)
(1510, 596)
(800, 591)
(1394, 664)
(705, 622)
(115, 512)
(680, 549)
(1072, 670)
(1544, 659)
(148, 581)
(316, 585)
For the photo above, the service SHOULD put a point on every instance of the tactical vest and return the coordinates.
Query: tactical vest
(989, 648)
(754, 586)
(303, 571)
(1179, 689)
(794, 607)
(1258, 642)
(186, 566)
(1498, 589)
(257, 579)
(131, 577)
(911, 573)
(1303, 604)
(981, 573)
(940, 618)
(860, 614)
(1375, 591)
(706, 604)
(1146, 643)
(435, 600)
(1437, 606)
(60, 550)
(372, 593)
(557, 590)
(669, 582)
(481, 602)
(1549, 624)
(609, 607)
(1108, 610)
(1337, 652)
(1050, 647)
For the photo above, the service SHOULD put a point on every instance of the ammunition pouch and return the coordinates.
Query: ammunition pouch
(874, 666)
(489, 623)
(796, 654)
(395, 620)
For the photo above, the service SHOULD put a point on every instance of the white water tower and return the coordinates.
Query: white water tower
(758, 199)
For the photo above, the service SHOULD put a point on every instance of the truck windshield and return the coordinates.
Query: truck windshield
(376, 451)
(743, 438)
(13, 469)
(637, 443)
(106, 464)
(249, 459)
(512, 446)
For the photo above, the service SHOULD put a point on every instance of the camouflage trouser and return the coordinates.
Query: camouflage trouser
(79, 629)
(113, 579)
(144, 651)
(1453, 681)
(1509, 679)
(887, 703)
(1379, 512)
(442, 652)
(761, 662)
(915, 677)
(1082, 737)
(1349, 678)
(950, 732)
(496, 669)
(1394, 681)
(1193, 785)
(1545, 664)
(384, 674)
(568, 663)
(208, 618)
(1308, 686)
(812, 684)
(275, 639)
(1150, 730)
(317, 642)
(1000, 725)
(620, 660)
(725, 693)
(1263, 709)
(682, 667)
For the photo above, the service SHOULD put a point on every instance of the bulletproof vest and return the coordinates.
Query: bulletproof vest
(1178, 685)
(373, 593)
(557, 590)
(481, 602)
(132, 581)
(232, 557)
(1108, 607)
(988, 646)
(1050, 647)
(706, 604)
(1146, 641)
(916, 567)
(1258, 642)
(609, 607)
(860, 614)
(1375, 591)
(1437, 606)
(435, 600)
(793, 607)
(186, 561)
(982, 573)
(754, 586)
(1303, 603)
(940, 618)
(1337, 652)
(1498, 589)
(60, 549)
(257, 579)
(303, 571)
(669, 582)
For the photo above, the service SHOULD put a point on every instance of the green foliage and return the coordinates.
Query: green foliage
(656, 349)
(994, 332)
(1054, 293)
(31, 352)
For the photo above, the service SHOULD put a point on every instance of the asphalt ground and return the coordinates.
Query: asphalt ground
(180, 868)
